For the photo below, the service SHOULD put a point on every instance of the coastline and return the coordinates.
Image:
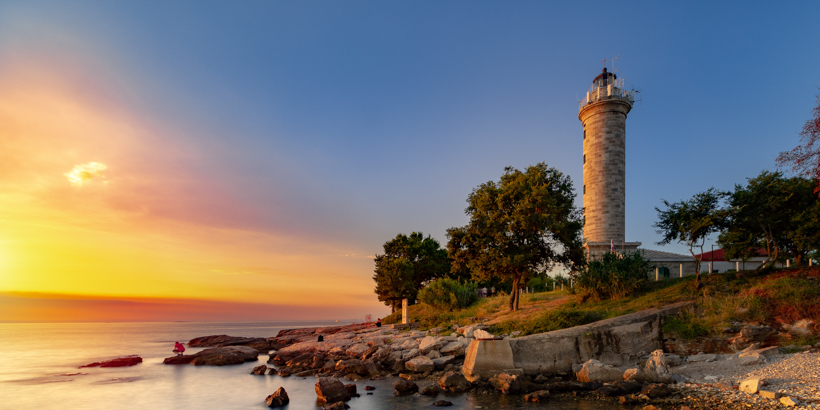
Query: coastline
(361, 352)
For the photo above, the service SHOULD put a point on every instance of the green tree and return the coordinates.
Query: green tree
(613, 276)
(394, 280)
(690, 222)
(425, 258)
(520, 226)
(773, 213)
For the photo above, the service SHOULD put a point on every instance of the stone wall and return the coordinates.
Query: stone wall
(615, 341)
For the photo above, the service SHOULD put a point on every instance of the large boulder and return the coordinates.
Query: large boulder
(751, 385)
(506, 383)
(405, 387)
(454, 382)
(483, 334)
(453, 349)
(118, 362)
(259, 370)
(468, 331)
(442, 362)
(217, 356)
(656, 370)
(351, 366)
(331, 390)
(279, 398)
(595, 371)
(420, 364)
(430, 343)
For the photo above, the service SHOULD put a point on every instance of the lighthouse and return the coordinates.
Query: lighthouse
(603, 114)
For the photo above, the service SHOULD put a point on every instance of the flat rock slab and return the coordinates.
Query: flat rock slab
(217, 356)
(118, 362)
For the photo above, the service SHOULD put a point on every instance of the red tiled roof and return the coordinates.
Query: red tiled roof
(718, 256)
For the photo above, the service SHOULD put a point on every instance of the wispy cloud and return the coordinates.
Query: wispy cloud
(86, 172)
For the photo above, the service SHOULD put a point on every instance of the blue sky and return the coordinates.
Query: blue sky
(350, 122)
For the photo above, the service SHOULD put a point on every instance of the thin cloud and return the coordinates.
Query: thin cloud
(86, 172)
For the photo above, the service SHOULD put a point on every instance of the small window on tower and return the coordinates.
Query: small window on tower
(585, 189)
(585, 134)
(585, 158)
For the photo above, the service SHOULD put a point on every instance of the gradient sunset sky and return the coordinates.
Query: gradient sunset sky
(245, 160)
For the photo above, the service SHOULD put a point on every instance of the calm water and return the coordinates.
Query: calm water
(39, 370)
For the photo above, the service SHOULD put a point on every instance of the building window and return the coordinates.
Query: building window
(585, 158)
(585, 189)
(585, 134)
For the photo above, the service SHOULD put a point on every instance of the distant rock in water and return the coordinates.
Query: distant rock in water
(217, 356)
(119, 362)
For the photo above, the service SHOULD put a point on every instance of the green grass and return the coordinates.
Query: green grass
(724, 299)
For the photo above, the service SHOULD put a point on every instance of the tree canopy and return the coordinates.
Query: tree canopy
(774, 213)
(408, 263)
(690, 222)
(520, 226)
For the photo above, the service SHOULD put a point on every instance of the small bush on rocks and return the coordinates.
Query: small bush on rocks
(446, 293)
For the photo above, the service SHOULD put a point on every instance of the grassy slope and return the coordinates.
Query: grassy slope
(782, 296)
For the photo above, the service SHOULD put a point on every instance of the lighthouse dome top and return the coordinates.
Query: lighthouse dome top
(605, 78)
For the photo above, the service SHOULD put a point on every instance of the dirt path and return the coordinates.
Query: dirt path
(532, 308)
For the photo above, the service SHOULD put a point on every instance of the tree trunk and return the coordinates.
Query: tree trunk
(514, 293)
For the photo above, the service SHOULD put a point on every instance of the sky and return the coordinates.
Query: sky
(245, 161)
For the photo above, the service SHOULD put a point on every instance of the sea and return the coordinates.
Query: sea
(39, 369)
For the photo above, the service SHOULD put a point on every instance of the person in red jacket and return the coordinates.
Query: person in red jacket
(179, 348)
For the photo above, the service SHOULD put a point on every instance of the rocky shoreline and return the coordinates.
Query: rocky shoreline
(430, 363)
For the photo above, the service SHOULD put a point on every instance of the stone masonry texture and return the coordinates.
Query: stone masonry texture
(604, 196)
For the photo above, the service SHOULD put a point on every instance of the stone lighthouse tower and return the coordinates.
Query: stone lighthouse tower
(603, 114)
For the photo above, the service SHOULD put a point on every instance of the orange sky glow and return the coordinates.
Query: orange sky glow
(100, 204)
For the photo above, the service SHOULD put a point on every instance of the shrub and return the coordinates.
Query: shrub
(540, 284)
(614, 276)
(446, 293)
(686, 325)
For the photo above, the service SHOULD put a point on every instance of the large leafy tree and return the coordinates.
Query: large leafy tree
(394, 280)
(690, 222)
(412, 258)
(774, 213)
(520, 226)
(805, 158)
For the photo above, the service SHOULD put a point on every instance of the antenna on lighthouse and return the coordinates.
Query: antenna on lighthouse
(613, 63)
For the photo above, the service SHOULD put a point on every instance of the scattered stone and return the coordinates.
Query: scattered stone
(506, 383)
(634, 375)
(369, 388)
(789, 401)
(420, 364)
(431, 390)
(405, 387)
(118, 362)
(673, 359)
(331, 390)
(278, 398)
(802, 327)
(483, 334)
(751, 359)
(259, 370)
(769, 394)
(339, 405)
(454, 382)
(430, 343)
(629, 387)
(538, 396)
(609, 390)
(656, 370)
(701, 357)
(751, 385)
(454, 349)
(351, 389)
(443, 403)
(656, 391)
(595, 371)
